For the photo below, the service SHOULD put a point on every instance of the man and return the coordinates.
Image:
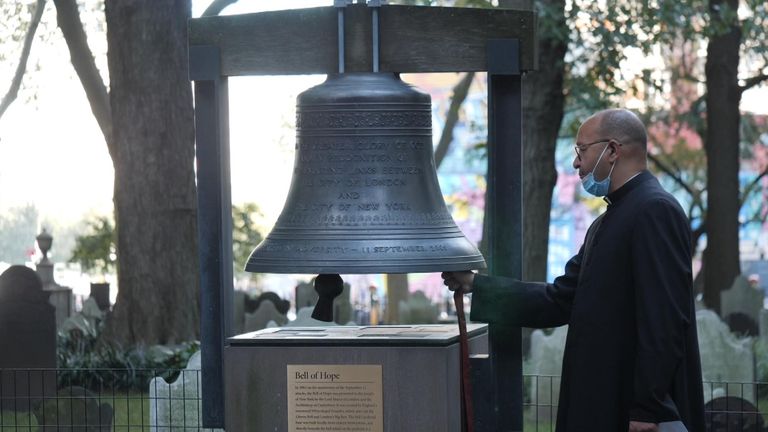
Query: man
(631, 357)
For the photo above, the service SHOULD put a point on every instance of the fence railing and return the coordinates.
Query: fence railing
(168, 400)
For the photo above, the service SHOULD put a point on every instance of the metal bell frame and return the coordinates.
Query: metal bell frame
(501, 42)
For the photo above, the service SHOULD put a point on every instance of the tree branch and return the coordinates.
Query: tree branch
(751, 187)
(460, 91)
(68, 17)
(668, 171)
(217, 6)
(752, 82)
(13, 90)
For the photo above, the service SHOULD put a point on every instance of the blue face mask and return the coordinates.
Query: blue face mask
(594, 187)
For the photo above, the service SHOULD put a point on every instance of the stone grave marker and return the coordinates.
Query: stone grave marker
(74, 409)
(732, 414)
(60, 297)
(342, 307)
(418, 309)
(725, 358)
(177, 406)
(27, 340)
(546, 364)
(306, 296)
(266, 312)
(304, 319)
(238, 311)
(741, 305)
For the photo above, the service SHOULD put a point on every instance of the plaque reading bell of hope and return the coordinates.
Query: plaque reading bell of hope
(339, 398)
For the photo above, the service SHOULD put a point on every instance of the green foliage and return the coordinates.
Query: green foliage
(245, 233)
(96, 251)
(90, 363)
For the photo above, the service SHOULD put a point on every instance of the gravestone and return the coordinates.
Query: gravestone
(75, 409)
(100, 293)
(238, 311)
(418, 309)
(342, 307)
(726, 360)
(306, 296)
(763, 323)
(266, 312)
(60, 297)
(742, 299)
(27, 340)
(281, 305)
(546, 364)
(304, 319)
(732, 414)
(177, 406)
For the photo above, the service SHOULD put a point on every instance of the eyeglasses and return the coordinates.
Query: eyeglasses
(581, 148)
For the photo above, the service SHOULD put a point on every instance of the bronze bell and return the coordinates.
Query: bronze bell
(364, 196)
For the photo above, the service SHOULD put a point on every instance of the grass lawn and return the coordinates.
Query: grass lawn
(131, 413)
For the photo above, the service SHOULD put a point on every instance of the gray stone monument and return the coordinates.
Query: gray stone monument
(27, 340)
(304, 319)
(342, 307)
(741, 305)
(546, 364)
(306, 296)
(75, 409)
(266, 312)
(726, 360)
(60, 297)
(177, 406)
(238, 311)
(418, 309)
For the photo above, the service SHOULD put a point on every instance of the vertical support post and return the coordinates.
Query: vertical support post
(214, 219)
(505, 222)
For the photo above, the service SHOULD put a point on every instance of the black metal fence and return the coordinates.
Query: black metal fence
(86, 400)
(128, 400)
(729, 406)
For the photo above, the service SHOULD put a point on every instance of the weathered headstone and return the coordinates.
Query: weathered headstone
(238, 312)
(726, 360)
(100, 293)
(266, 312)
(177, 406)
(306, 296)
(545, 364)
(763, 323)
(418, 309)
(60, 297)
(732, 414)
(281, 305)
(304, 319)
(342, 307)
(742, 299)
(75, 409)
(27, 340)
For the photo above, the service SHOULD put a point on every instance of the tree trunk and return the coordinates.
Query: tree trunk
(722, 146)
(155, 200)
(543, 106)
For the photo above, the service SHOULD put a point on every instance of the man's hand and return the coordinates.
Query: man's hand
(636, 426)
(461, 280)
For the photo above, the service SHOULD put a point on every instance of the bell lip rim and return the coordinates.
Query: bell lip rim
(370, 269)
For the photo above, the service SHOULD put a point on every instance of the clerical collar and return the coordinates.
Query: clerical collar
(633, 182)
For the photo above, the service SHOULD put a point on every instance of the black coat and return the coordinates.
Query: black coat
(632, 350)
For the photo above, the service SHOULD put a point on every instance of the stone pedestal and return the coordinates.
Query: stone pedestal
(418, 368)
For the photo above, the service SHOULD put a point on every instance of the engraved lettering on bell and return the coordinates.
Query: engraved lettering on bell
(364, 197)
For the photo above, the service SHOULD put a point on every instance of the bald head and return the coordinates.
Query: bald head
(622, 125)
